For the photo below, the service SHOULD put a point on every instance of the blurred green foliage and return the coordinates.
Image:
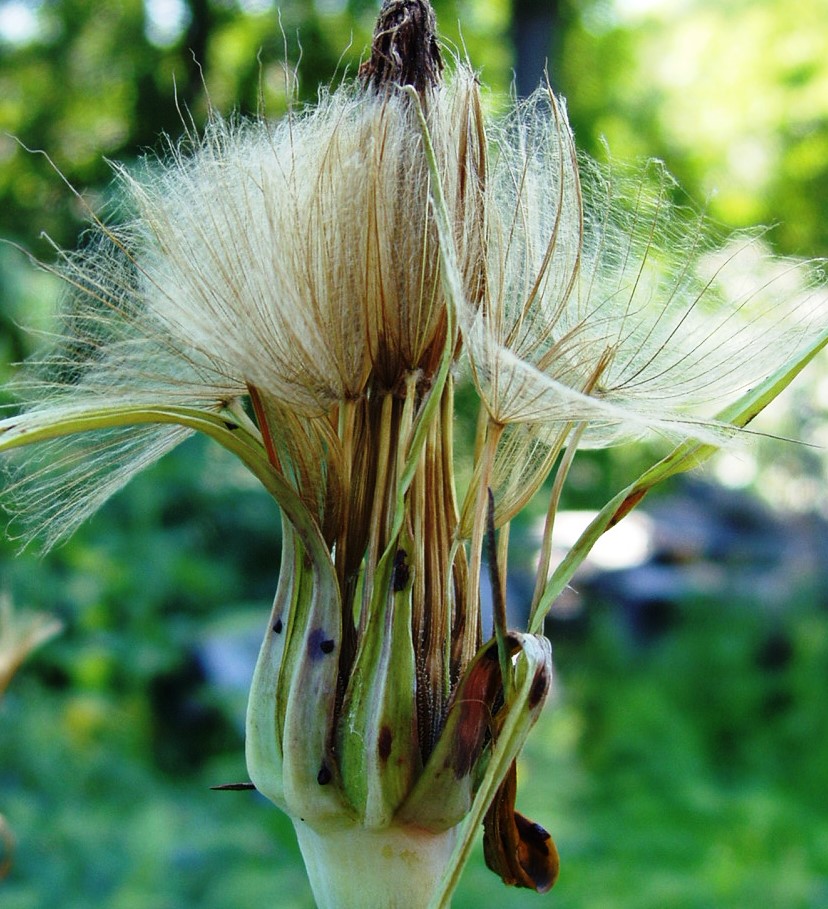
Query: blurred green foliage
(687, 772)
(684, 771)
(733, 95)
(105, 80)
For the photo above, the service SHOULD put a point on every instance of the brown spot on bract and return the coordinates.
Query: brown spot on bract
(475, 703)
(401, 573)
(318, 643)
(627, 506)
(477, 699)
(386, 739)
(540, 685)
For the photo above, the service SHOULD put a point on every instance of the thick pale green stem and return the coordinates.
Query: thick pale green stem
(394, 868)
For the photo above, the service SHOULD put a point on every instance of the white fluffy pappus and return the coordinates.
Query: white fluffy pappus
(301, 258)
(610, 304)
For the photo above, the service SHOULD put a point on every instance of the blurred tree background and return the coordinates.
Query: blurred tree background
(684, 762)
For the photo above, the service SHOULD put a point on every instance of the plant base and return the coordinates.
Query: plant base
(394, 868)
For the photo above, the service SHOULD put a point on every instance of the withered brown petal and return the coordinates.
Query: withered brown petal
(520, 851)
(477, 700)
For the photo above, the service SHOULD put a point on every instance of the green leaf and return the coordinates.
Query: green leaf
(264, 725)
(307, 693)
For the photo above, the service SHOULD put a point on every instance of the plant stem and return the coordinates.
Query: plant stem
(390, 868)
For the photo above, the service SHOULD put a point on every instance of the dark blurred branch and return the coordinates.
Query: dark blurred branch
(157, 111)
(195, 45)
(536, 32)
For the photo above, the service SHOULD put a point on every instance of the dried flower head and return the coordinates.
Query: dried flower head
(308, 293)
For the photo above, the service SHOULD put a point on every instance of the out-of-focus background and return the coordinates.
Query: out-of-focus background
(684, 760)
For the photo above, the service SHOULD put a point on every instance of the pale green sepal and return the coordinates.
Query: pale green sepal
(532, 680)
(263, 735)
(684, 457)
(308, 692)
(306, 697)
(470, 740)
(295, 632)
(378, 751)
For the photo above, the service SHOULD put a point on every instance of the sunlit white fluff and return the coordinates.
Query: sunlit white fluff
(301, 258)
(297, 256)
(301, 253)
(608, 305)
(107, 352)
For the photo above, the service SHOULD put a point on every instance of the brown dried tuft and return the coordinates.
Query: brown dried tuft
(405, 49)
